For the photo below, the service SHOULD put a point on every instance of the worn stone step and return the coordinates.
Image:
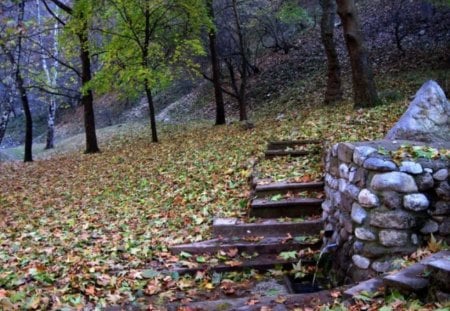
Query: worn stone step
(284, 186)
(279, 303)
(283, 144)
(292, 207)
(232, 227)
(413, 278)
(262, 262)
(266, 245)
(369, 286)
(284, 153)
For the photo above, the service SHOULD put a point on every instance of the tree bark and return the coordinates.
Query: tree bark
(87, 98)
(243, 71)
(333, 92)
(51, 124)
(364, 91)
(4, 121)
(215, 66)
(151, 108)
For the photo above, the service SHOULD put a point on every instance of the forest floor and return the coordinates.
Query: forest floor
(80, 231)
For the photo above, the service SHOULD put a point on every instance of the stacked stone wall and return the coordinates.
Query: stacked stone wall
(378, 209)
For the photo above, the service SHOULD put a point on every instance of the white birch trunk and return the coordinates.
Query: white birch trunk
(52, 79)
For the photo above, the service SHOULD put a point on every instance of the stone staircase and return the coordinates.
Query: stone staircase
(272, 227)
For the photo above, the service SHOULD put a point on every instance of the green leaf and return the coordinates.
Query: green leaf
(185, 255)
(200, 259)
(149, 274)
(276, 197)
(288, 255)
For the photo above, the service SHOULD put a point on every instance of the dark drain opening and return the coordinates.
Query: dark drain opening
(302, 285)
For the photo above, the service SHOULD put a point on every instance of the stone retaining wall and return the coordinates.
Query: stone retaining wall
(378, 208)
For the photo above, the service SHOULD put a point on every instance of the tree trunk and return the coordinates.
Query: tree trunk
(151, 108)
(243, 70)
(364, 91)
(28, 156)
(220, 107)
(87, 98)
(334, 90)
(51, 124)
(4, 121)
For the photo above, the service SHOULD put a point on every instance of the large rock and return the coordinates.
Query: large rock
(427, 118)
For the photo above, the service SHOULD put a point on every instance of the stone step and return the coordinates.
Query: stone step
(369, 286)
(269, 154)
(261, 263)
(292, 207)
(279, 303)
(266, 245)
(413, 278)
(283, 187)
(232, 227)
(283, 144)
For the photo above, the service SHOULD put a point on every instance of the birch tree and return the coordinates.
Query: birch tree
(51, 74)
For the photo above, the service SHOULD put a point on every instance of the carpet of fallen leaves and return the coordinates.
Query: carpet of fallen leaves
(78, 231)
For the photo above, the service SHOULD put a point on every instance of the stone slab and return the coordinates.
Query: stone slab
(412, 278)
(369, 286)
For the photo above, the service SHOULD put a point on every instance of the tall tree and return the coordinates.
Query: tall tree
(80, 15)
(333, 92)
(14, 53)
(148, 41)
(215, 68)
(364, 90)
(51, 75)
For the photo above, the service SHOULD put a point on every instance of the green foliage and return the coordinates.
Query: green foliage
(147, 43)
(292, 13)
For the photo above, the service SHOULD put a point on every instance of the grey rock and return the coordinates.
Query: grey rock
(342, 184)
(443, 191)
(361, 153)
(382, 266)
(441, 175)
(441, 208)
(375, 250)
(346, 222)
(427, 118)
(343, 170)
(414, 239)
(425, 181)
(429, 227)
(428, 170)
(365, 234)
(444, 228)
(334, 167)
(411, 167)
(358, 246)
(357, 177)
(334, 150)
(326, 206)
(392, 199)
(331, 181)
(368, 199)
(392, 220)
(358, 213)
(352, 191)
(394, 181)
(361, 262)
(344, 235)
(380, 165)
(416, 202)
(393, 237)
(345, 152)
